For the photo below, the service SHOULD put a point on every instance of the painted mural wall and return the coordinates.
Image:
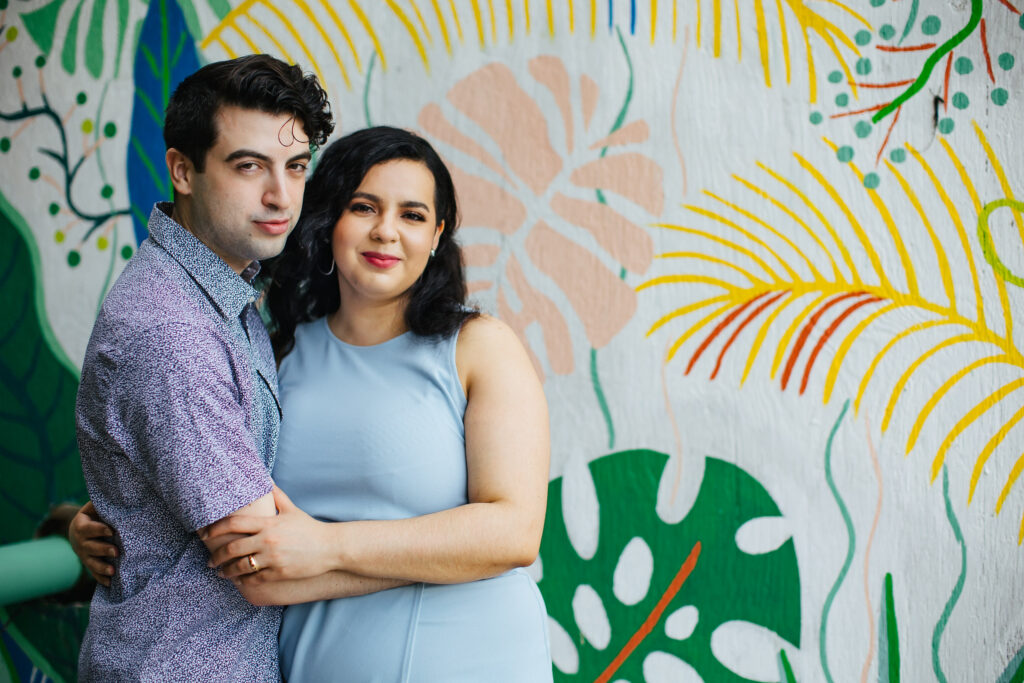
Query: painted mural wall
(767, 256)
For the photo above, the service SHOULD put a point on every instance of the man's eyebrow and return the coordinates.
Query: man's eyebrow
(408, 204)
(253, 154)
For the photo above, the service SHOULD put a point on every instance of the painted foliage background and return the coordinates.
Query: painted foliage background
(767, 256)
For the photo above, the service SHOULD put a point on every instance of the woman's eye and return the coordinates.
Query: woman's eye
(413, 216)
(360, 208)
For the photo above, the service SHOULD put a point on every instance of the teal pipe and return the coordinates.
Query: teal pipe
(32, 569)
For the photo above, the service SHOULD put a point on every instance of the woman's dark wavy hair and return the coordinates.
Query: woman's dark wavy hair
(259, 82)
(299, 290)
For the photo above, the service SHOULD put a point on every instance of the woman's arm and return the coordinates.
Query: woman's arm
(507, 458)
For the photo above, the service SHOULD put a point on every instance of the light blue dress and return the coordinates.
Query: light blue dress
(376, 432)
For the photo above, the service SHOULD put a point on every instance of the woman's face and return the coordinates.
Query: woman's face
(382, 240)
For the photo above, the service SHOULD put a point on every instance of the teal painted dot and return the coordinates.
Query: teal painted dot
(1021, 22)
(74, 258)
(863, 66)
(835, 77)
(5, 145)
(3, 5)
(842, 99)
(862, 129)
(33, 173)
(862, 37)
(931, 25)
(871, 181)
(887, 32)
(816, 117)
(1000, 96)
(107, 192)
(946, 126)
(877, 3)
(40, 62)
(960, 100)
(126, 252)
(898, 155)
(81, 98)
(1006, 61)
(110, 130)
(963, 65)
(16, 72)
(845, 153)
(54, 208)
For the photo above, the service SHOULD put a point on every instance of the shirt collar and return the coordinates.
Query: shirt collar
(228, 291)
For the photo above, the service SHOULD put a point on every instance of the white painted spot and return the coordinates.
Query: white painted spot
(563, 651)
(679, 485)
(681, 623)
(579, 507)
(536, 570)
(591, 617)
(748, 650)
(763, 535)
(632, 577)
(661, 667)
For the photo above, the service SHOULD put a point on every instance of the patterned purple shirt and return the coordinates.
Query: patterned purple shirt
(178, 421)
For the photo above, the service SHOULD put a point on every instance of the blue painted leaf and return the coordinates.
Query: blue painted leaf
(165, 55)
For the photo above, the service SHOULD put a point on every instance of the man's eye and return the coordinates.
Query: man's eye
(248, 166)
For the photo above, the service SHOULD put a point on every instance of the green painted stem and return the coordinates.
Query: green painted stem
(32, 569)
(596, 381)
(940, 625)
(366, 89)
(851, 545)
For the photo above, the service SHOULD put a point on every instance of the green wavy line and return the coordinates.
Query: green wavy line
(822, 632)
(940, 625)
(932, 60)
(892, 634)
(39, 296)
(601, 399)
(366, 89)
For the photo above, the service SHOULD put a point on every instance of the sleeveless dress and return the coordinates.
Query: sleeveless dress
(376, 432)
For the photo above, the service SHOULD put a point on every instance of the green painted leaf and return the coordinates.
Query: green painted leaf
(94, 40)
(724, 585)
(69, 54)
(38, 453)
(41, 24)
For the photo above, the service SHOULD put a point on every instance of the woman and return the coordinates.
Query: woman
(414, 436)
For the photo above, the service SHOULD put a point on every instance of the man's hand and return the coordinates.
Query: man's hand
(91, 540)
(291, 545)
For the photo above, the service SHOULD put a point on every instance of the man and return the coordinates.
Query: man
(177, 410)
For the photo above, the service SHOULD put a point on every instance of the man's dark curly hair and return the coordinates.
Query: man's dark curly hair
(258, 82)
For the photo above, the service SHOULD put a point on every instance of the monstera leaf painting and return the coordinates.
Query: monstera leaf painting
(38, 452)
(696, 565)
(166, 54)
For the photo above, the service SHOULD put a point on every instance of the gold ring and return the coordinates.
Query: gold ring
(252, 564)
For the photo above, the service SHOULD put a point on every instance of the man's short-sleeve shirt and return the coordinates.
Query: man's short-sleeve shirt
(178, 419)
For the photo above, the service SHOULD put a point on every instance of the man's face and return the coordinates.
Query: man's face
(249, 195)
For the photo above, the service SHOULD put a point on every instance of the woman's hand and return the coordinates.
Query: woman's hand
(91, 540)
(289, 545)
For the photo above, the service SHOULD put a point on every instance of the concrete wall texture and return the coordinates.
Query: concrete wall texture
(767, 256)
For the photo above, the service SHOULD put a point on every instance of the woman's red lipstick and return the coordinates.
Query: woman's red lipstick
(379, 260)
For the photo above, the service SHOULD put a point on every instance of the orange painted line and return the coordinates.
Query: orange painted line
(887, 134)
(718, 329)
(828, 334)
(652, 619)
(894, 84)
(757, 311)
(806, 332)
(945, 82)
(984, 48)
(859, 111)
(1010, 7)
(908, 48)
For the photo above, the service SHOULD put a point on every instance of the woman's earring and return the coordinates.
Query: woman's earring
(433, 253)
(329, 271)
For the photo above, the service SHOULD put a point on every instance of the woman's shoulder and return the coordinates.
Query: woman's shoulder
(485, 343)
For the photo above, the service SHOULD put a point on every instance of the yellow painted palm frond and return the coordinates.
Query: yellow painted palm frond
(833, 265)
(788, 32)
